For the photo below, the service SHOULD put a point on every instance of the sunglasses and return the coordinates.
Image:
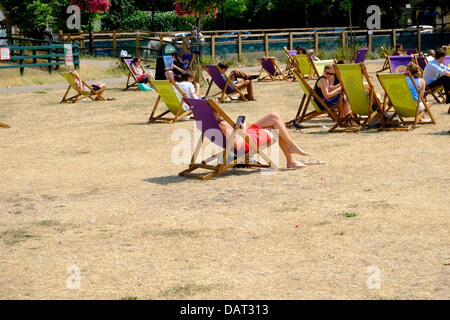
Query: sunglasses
(329, 73)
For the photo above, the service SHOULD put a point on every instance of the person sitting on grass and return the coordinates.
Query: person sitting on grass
(436, 74)
(97, 87)
(246, 83)
(141, 75)
(330, 92)
(259, 132)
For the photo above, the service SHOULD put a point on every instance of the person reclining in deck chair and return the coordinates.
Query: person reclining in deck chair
(235, 75)
(98, 87)
(437, 74)
(399, 50)
(330, 92)
(142, 76)
(300, 50)
(260, 133)
(311, 55)
(414, 70)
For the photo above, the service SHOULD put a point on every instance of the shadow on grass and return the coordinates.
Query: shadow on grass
(440, 133)
(167, 180)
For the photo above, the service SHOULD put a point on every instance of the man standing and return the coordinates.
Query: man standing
(437, 74)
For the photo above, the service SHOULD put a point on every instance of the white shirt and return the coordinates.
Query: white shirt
(188, 89)
(433, 71)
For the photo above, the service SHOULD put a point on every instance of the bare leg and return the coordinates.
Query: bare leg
(291, 162)
(273, 120)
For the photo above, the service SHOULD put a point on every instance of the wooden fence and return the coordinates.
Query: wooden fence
(31, 53)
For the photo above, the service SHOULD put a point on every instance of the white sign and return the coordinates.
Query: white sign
(5, 53)
(68, 54)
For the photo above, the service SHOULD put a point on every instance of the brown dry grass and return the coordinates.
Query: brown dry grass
(10, 78)
(90, 185)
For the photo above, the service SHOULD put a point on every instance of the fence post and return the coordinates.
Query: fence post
(419, 40)
(316, 42)
(344, 38)
(239, 53)
(49, 59)
(114, 44)
(213, 47)
(291, 41)
(394, 38)
(33, 52)
(266, 45)
(22, 69)
(369, 40)
(138, 45)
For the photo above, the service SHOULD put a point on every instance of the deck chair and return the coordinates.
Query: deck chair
(271, 69)
(305, 66)
(290, 64)
(4, 125)
(447, 61)
(411, 51)
(397, 64)
(398, 97)
(223, 82)
(227, 158)
(310, 96)
(360, 55)
(421, 61)
(319, 66)
(365, 107)
(79, 93)
(174, 99)
(188, 59)
(385, 53)
(131, 79)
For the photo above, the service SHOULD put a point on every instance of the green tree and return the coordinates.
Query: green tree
(30, 16)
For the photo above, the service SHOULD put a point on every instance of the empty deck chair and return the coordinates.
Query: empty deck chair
(174, 99)
(399, 98)
(360, 56)
(223, 82)
(385, 53)
(271, 69)
(205, 118)
(305, 67)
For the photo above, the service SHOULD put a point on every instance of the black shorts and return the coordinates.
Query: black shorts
(95, 87)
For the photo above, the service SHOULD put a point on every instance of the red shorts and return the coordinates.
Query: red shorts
(141, 77)
(258, 135)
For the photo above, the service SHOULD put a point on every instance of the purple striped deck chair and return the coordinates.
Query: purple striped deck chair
(270, 67)
(397, 64)
(360, 56)
(205, 112)
(421, 62)
(223, 82)
(131, 75)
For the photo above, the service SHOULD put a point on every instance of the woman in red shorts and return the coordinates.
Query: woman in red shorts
(260, 133)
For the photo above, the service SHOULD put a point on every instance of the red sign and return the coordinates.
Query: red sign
(5, 53)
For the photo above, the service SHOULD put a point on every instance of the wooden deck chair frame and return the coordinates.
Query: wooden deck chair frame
(290, 65)
(223, 93)
(360, 119)
(131, 75)
(220, 168)
(279, 76)
(389, 124)
(4, 125)
(386, 54)
(162, 117)
(79, 93)
(302, 114)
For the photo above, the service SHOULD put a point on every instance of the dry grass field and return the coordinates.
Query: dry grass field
(92, 186)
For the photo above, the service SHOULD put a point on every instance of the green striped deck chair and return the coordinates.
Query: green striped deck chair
(311, 97)
(305, 66)
(399, 97)
(364, 104)
(79, 93)
(174, 99)
(319, 66)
